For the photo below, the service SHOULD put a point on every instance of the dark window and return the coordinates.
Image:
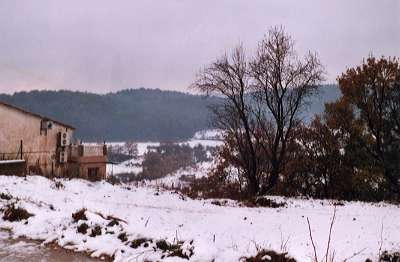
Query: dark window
(93, 173)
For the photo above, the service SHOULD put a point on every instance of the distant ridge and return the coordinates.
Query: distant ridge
(132, 114)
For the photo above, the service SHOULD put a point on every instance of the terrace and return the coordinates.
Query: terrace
(79, 151)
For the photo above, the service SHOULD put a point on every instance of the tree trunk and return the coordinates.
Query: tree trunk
(393, 181)
(254, 186)
(272, 181)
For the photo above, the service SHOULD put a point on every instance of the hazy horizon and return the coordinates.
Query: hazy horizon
(99, 46)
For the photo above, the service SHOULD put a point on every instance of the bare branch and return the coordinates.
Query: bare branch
(312, 241)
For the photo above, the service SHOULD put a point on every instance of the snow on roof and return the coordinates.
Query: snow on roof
(15, 161)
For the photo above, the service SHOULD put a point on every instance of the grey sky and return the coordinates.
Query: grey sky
(103, 46)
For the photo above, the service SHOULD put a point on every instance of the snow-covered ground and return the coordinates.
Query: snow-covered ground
(218, 232)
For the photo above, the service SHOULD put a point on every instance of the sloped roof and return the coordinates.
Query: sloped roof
(35, 115)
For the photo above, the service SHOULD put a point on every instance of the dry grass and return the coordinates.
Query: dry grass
(329, 255)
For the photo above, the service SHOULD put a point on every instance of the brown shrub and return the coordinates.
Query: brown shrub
(138, 242)
(268, 256)
(59, 185)
(218, 203)
(179, 253)
(113, 222)
(264, 202)
(83, 228)
(96, 231)
(123, 237)
(214, 186)
(173, 250)
(79, 215)
(5, 196)
(12, 213)
(389, 257)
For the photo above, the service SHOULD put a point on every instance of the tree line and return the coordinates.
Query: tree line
(350, 151)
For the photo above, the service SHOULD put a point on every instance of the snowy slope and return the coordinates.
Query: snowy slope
(199, 170)
(220, 233)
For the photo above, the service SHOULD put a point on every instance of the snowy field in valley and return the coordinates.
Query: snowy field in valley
(206, 138)
(208, 232)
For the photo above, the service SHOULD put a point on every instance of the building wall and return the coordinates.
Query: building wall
(92, 162)
(39, 149)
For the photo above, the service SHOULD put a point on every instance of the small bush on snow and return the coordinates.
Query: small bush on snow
(138, 242)
(79, 215)
(214, 186)
(12, 213)
(268, 256)
(175, 250)
(59, 185)
(113, 222)
(96, 231)
(389, 257)
(179, 249)
(219, 203)
(264, 202)
(123, 237)
(82, 228)
(5, 196)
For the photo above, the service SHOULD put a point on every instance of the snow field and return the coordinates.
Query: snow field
(224, 233)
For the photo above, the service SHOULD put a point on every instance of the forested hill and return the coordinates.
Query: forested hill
(133, 114)
(137, 114)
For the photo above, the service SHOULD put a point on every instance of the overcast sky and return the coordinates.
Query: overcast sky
(103, 46)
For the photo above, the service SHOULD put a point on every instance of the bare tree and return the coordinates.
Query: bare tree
(282, 84)
(229, 77)
(262, 101)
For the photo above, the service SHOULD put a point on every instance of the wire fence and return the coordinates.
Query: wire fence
(34, 162)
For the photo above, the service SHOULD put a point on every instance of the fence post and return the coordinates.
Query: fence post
(21, 149)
